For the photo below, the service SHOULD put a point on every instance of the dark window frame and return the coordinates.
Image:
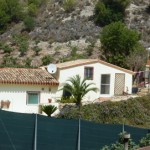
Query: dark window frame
(92, 74)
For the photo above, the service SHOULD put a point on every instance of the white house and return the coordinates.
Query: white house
(109, 79)
(25, 89)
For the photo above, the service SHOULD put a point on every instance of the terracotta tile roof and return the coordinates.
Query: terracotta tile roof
(26, 76)
(80, 62)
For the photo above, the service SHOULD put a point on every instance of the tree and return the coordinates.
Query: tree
(118, 42)
(108, 11)
(49, 109)
(10, 10)
(78, 88)
(137, 59)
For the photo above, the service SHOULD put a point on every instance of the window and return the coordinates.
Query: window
(66, 94)
(88, 73)
(33, 98)
(105, 84)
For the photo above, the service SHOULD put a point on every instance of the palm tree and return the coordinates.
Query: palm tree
(78, 88)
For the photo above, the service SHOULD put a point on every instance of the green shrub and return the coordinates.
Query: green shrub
(22, 42)
(37, 50)
(134, 112)
(29, 23)
(69, 5)
(23, 48)
(119, 145)
(148, 9)
(32, 10)
(7, 49)
(107, 11)
(47, 59)
(67, 100)
(49, 109)
(145, 141)
(10, 11)
(27, 62)
(36, 2)
(9, 62)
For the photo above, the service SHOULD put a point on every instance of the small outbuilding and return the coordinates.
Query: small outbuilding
(108, 78)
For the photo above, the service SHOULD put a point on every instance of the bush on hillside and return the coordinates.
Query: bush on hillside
(47, 59)
(148, 9)
(32, 10)
(107, 11)
(134, 112)
(119, 42)
(69, 5)
(10, 11)
(29, 23)
(7, 49)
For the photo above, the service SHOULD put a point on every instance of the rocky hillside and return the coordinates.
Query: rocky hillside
(72, 35)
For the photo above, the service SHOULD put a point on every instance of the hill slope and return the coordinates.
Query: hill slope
(61, 34)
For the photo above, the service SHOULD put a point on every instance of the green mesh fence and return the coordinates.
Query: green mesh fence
(17, 132)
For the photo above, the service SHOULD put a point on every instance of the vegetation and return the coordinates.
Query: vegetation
(16, 10)
(74, 55)
(27, 62)
(145, 141)
(119, 42)
(22, 42)
(49, 109)
(9, 61)
(67, 100)
(135, 112)
(78, 88)
(37, 50)
(119, 145)
(148, 9)
(29, 23)
(47, 59)
(69, 5)
(10, 11)
(6, 48)
(107, 11)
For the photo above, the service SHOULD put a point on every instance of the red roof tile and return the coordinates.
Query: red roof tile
(26, 76)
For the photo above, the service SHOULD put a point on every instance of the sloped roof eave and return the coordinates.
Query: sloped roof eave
(92, 62)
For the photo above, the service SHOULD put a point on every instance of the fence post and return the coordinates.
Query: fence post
(126, 141)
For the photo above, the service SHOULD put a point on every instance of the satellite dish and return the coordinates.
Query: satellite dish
(51, 68)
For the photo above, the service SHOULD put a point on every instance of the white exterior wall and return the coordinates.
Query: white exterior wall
(17, 95)
(99, 69)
